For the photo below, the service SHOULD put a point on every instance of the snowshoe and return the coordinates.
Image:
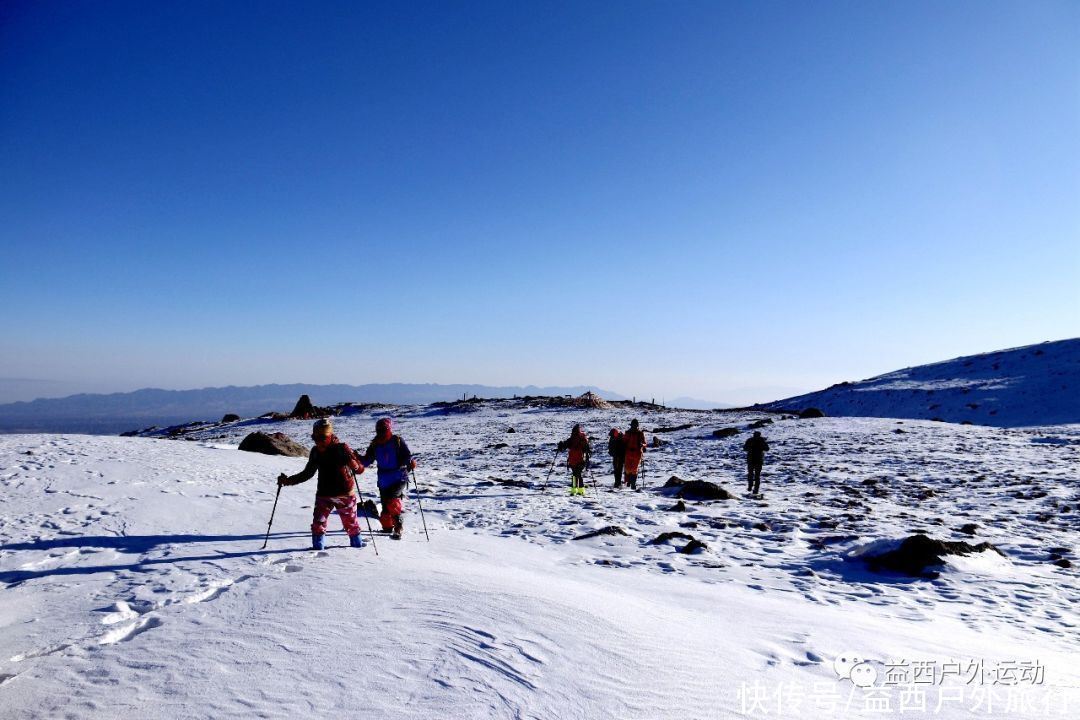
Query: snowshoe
(318, 542)
(356, 541)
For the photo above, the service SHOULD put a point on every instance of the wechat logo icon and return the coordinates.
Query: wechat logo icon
(854, 667)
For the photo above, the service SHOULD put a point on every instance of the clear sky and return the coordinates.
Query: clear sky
(725, 200)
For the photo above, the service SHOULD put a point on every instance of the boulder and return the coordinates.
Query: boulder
(664, 537)
(917, 553)
(231, 417)
(274, 444)
(758, 424)
(303, 410)
(693, 547)
(725, 432)
(609, 530)
(810, 413)
(703, 490)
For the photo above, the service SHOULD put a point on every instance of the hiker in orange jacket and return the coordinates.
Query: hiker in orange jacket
(578, 456)
(635, 449)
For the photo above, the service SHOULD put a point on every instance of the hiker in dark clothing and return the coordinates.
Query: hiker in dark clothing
(577, 458)
(755, 448)
(394, 459)
(336, 465)
(616, 447)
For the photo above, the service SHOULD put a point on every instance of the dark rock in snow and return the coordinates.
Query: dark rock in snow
(497, 446)
(674, 428)
(511, 482)
(274, 444)
(811, 413)
(702, 490)
(231, 417)
(511, 430)
(674, 481)
(694, 546)
(969, 529)
(758, 424)
(678, 507)
(609, 530)
(303, 409)
(725, 432)
(1063, 563)
(919, 552)
(664, 537)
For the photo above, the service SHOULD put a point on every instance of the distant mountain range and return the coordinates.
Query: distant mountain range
(1020, 387)
(120, 412)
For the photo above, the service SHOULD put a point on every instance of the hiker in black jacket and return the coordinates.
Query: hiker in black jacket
(616, 447)
(755, 448)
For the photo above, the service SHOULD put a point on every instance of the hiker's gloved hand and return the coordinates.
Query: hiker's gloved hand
(412, 464)
(282, 479)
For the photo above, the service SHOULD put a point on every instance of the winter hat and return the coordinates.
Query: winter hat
(322, 428)
(634, 424)
(576, 430)
(383, 426)
(614, 432)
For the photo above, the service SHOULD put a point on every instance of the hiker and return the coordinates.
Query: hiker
(336, 464)
(755, 449)
(395, 461)
(634, 440)
(578, 456)
(616, 447)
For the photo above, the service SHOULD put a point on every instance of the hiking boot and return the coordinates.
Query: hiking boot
(318, 541)
(398, 527)
(356, 541)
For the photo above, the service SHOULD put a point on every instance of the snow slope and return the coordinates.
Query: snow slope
(1026, 386)
(134, 583)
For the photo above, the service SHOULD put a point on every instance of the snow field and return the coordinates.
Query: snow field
(134, 582)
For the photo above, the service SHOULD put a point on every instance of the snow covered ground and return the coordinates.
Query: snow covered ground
(1025, 386)
(134, 583)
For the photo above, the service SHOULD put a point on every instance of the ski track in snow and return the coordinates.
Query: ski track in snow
(134, 580)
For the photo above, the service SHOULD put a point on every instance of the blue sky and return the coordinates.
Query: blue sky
(724, 200)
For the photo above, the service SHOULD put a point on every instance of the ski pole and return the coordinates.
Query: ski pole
(557, 452)
(276, 496)
(360, 499)
(420, 505)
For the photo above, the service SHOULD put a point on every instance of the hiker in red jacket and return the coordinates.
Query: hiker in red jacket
(336, 465)
(616, 447)
(395, 461)
(577, 458)
(635, 449)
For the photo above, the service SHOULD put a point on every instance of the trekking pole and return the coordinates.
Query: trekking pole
(591, 476)
(420, 505)
(557, 452)
(641, 470)
(360, 499)
(276, 496)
